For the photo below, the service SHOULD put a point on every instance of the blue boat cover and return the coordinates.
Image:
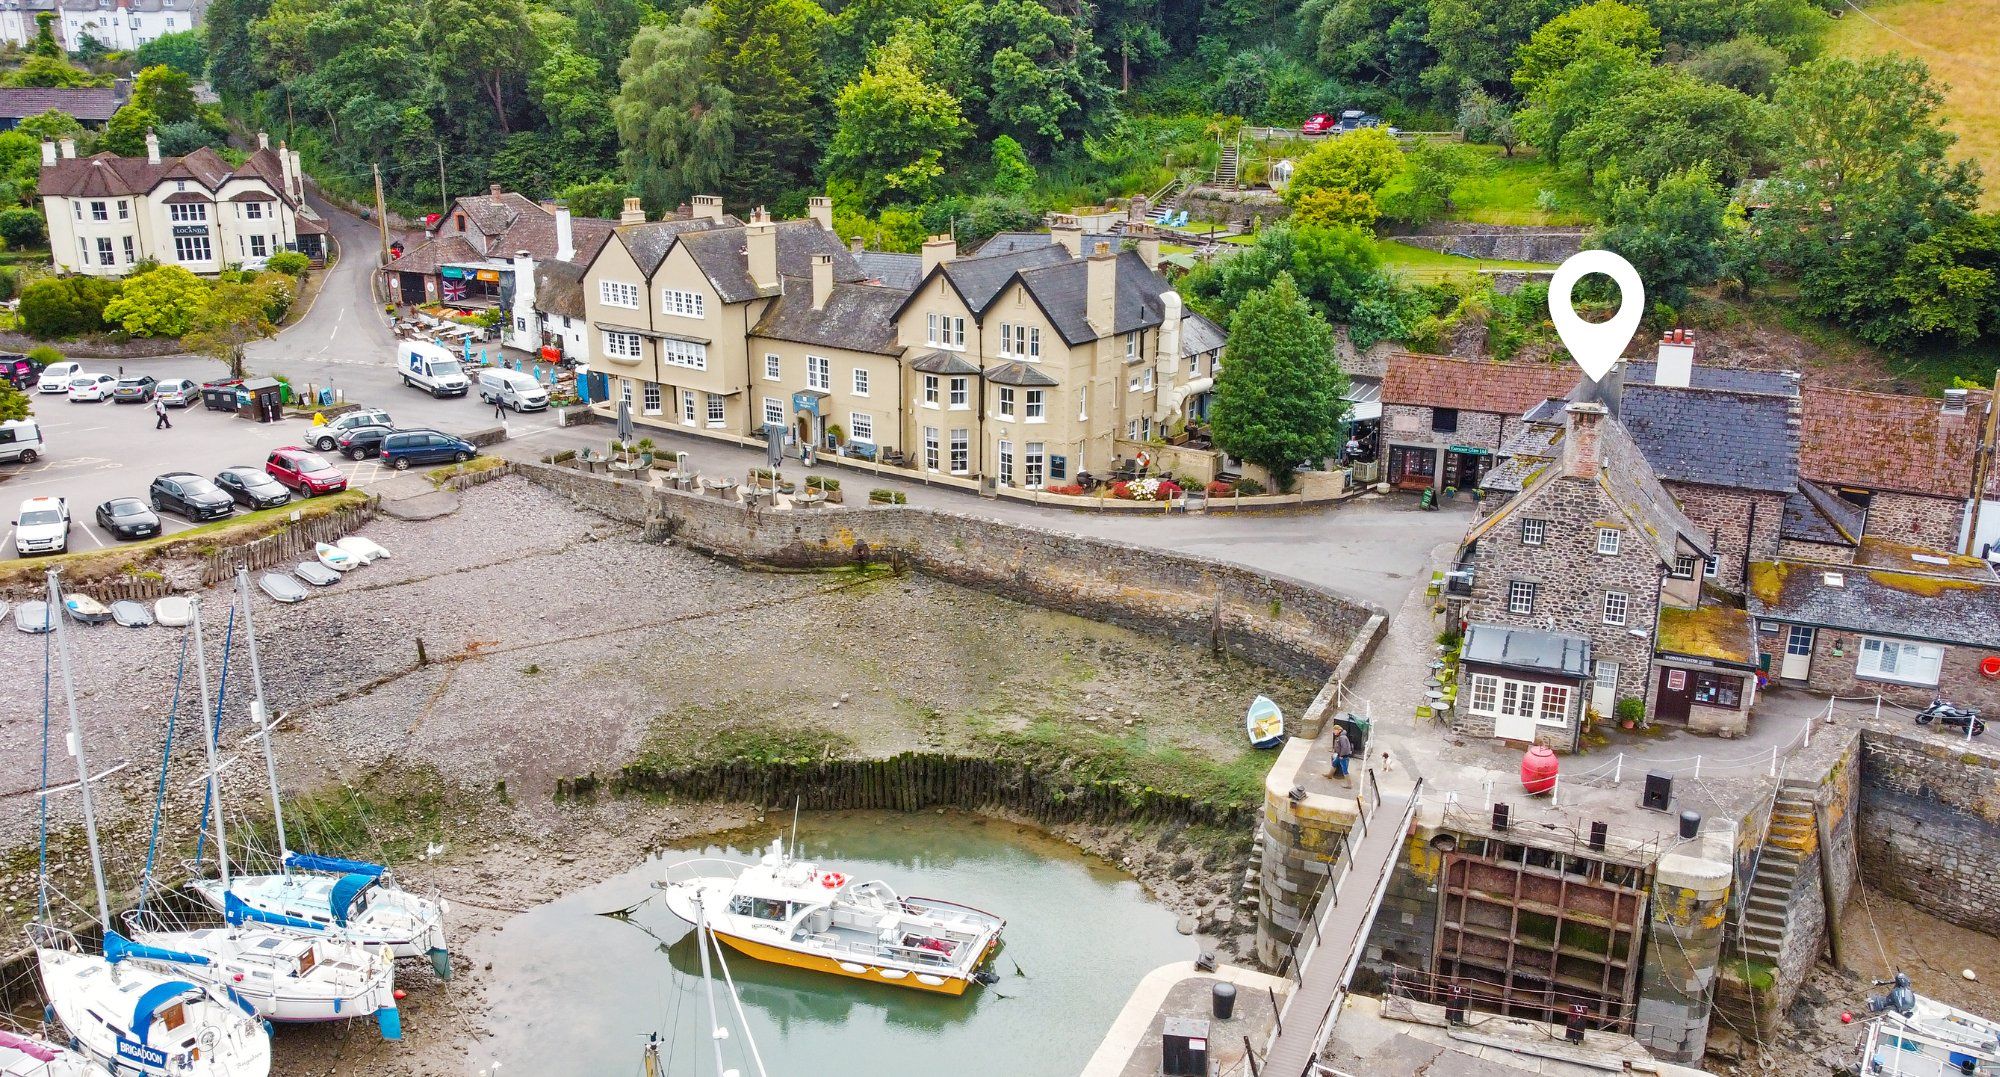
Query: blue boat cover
(241, 1002)
(236, 911)
(345, 890)
(316, 862)
(390, 1021)
(150, 1003)
(117, 948)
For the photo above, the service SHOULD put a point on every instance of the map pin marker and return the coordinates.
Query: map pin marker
(1596, 347)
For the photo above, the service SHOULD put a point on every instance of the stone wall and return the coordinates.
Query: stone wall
(1515, 243)
(1917, 520)
(1824, 553)
(1734, 520)
(1930, 823)
(1836, 654)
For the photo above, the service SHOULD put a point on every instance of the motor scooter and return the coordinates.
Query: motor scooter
(1954, 717)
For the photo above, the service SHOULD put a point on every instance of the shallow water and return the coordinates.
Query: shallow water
(577, 993)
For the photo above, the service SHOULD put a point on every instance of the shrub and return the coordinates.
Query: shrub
(65, 306)
(887, 497)
(1219, 488)
(822, 482)
(22, 227)
(10, 282)
(1249, 487)
(1631, 709)
(45, 354)
(290, 263)
(1071, 490)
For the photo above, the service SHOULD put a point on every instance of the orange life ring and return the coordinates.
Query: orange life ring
(833, 880)
(1990, 665)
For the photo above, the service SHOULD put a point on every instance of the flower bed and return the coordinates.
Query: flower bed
(1146, 490)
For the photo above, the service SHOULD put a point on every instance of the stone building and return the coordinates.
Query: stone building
(1445, 420)
(1905, 461)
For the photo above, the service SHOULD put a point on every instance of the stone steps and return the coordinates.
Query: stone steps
(1767, 907)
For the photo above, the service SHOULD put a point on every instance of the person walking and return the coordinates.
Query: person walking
(499, 410)
(1343, 750)
(160, 410)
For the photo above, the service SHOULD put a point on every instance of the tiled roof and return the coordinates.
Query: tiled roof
(427, 256)
(1716, 632)
(1526, 648)
(1010, 242)
(892, 270)
(1883, 442)
(1199, 335)
(1881, 553)
(857, 317)
(649, 242)
(512, 222)
(92, 104)
(978, 280)
(1813, 515)
(1743, 441)
(1020, 373)
(559, 288)
(943, 363)
(108, 174)
(720, 254)
(1062, 292)
(1877, 602)
(1435, 381)
(1770, 382)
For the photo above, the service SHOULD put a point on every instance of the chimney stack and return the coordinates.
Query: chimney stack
(1583, 445)
(565, 236)
(633, 213)
(285, 170)
(820, 208)
(938, 250)
(152, 148)
(298, 173)
(760, 246)
(48, 153)
(1069, 237)
(822, 266)
(854, 245)
(68, 146)
(263, 140)
(1149, 253)
(1608, 390)
(1101, 289)
(524, 285)
(1676, 358)
(1167, 364)
(707, 207)
(496, 190)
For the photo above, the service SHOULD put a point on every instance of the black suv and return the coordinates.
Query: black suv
(360, 442)
(249, 486)
(191, 495)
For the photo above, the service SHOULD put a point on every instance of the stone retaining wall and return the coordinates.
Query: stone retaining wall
(1515, 243)
(1930, 823)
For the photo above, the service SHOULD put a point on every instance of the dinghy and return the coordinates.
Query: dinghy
(86, 610)
(334, 557)
(131, 614)
(282, 587)
(316, 574)
(365, 549)
(33, 617)
(174, 611)
(1265, 723)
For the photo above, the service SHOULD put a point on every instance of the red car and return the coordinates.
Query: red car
(304, 471)
(1320, 123)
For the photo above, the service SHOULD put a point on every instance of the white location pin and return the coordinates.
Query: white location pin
(1596, 346)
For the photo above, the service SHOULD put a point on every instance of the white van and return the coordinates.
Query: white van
(513, 388)
(20, 439)
(431, 368)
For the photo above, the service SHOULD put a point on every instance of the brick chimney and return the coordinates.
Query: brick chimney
(634, 213)
(565, 235)
(1583, 445)
(938, 250)
(707, 207)
(760, 246)
(820, 208)
(822, 266)
(854, 245)
(48, 153)
(1676, 358)
(152, 148)
(263, 140)
(1101, 289)
(1069, 237)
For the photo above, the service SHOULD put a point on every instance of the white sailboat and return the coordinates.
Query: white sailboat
(719, 1033)
(322, 895)
(1918, 1036)
(135, 1021)
(282, 975)
(27, 1056)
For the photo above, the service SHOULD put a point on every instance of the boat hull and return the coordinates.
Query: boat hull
(853, 970)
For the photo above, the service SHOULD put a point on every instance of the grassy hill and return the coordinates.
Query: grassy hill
(1957, 38)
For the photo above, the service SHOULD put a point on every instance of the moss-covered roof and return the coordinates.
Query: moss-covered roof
(1910, 605)
(1719, 633)
(1902, 557)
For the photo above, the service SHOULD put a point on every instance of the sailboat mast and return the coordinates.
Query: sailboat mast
(262, 714)
(715, 1029)
(56, 612)
(211, 727)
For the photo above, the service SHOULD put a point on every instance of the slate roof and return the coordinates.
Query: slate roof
(1010, 242)
(90, 104)
(559, 288)
(1813, 515)
(105, 174)
(512, 222)
(943, 363)
(978, 280)
(856, 317)
(427, 256)
(1436, 381)
(649, 242)
(1062, 292)
(892, 270)
(1878, 602)
(720, 254)
(1714, 437)
(1879, 441)
(1769, 382)
(1526, 648)
(1020, 373)
(1199, 335)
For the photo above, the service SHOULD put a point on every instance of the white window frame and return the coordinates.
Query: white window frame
(931, 459)
(1534, 531)
(1006, 401)
(931, 390)
(193, 249)
(1684, 566)
(105, 255)
(131, 251)
(1034, 464)
(861, 427)
(1605, 676)
(679, 304)
(188, 213)
(1036, 408)
(100, 210)
(1899, 661)
(1608, 541)
(651, 399)
(961, 451)
(945, 331)
(1711, 566)
(1006, 454)
(1521, 597)
(1558, 705)
(687, 407)
(860, 381)
(718, 411)
(688, 354)
(1617, 607)
(960, 393)
(614, 341)
(260, 246)
(618, 293)
(774, 411)
(1503, 697)
(1132, 346)
(819, 373)
(773, 371)
(252, 211)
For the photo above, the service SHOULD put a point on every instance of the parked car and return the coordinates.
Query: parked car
(305, 472)
(252, 488)
(361, 442)
(327, 438)
(128, 518)
(91, 388)
(1319, 123)
(43, 526)
(190, 495)
(513, 388)
(177, 393)
(21, 439)
(19, 370)
(135, 389)
(1352, 119)
(56, 377)
(431, 368)
(406, 447)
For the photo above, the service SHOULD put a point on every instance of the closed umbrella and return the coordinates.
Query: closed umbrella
(624, 420)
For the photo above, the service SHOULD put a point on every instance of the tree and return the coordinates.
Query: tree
(1486, 118)
(52, 126)
(1431, 172)
(1335, 206)
(1475, 40)
(1949, 285)
(1609, 116)
(1605, 24)
(22, 228)
(45, 44)
(570, 88)
(13, 403)
(1337, 269)
(39, 70)
(599, 198)
(765, 53)
(1012, 174)
(1746, 63)
(226, 29)
(185, 137)
(233, 315)
(1672, 234)
(289, 263)
(1035, 74)
(1382, 42)
(125, 134)
(894, 130)
(1280, 399)
(182, 50)
(54, 307)
(1356, 163)
(676, 122)
(159, 303)
(166, 93)
(486, 41)
(604, 28)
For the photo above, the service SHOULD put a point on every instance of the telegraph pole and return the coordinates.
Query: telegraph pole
(1982, 465)
(382, 214)
(444, 200)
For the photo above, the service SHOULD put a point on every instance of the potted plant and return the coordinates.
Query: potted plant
(1631, 711)
(826, 485)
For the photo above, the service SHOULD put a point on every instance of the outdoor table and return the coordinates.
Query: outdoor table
(809, 499)
(722, 488)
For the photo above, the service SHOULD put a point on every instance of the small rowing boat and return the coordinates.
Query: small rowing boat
(86, 610)
(173, 611)
(1265, 723)
(334, 557)
(366, 550)
(33, 617)
(131, 614)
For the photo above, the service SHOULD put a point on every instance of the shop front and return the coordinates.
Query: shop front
(1413, 467)
(1465, 465)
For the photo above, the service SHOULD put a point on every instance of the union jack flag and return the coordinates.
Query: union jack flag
(454, 291)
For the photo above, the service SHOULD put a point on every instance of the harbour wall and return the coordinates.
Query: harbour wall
(1929, 830)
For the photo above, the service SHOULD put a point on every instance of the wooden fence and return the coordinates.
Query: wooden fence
(466, 480)
(296, 541)
(1407, 138)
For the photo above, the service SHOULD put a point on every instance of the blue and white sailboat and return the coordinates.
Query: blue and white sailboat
(323, 895)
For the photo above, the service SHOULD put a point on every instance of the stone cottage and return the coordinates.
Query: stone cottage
(1906, 462)
(1445, 420)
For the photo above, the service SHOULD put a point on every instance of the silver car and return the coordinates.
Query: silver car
(178, 393)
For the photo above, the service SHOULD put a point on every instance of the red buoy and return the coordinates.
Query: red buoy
(1990, 665)
(1538, 769)
(401, 994)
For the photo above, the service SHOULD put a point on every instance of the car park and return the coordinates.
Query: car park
(177, 392)
(56, 377)
(91, 388)
(327, 438)
(128, 518)
(512, 388)
(191, 496)
(304, 471)
(252, 488)
(134, 389)
(361, 442)
(406, 447)
(20, 440)
(42, 526)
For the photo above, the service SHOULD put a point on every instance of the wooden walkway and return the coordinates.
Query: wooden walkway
(1338, 930)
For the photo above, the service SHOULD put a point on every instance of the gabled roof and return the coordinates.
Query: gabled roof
(1062, 291)
(1877, 602)
(91, 104)
(1436, 381)
(857, 317)
(649, 242)
(106, 174)
(1813, 515)
(722, 257)
(427, 256)
(512, 222)
(978, 280)
(1880, 441)
(892, 270)
(1714, 437)
(1769, 382)
(1010, 242)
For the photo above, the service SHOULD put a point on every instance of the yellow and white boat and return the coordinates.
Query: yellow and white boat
(790, 912)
